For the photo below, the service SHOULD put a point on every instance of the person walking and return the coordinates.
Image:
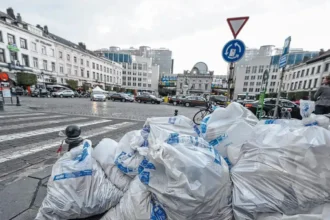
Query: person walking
(322, 97)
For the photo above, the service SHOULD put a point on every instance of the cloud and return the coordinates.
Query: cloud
(194, 30)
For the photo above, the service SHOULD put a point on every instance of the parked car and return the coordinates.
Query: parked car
(121, 97)
(269, 106)
(148, 98)
(44, 93)
(64, 93)
(98, 96)
(177, 100)
(220, 100)
(110, 94)
(19, 91)
(194, 101)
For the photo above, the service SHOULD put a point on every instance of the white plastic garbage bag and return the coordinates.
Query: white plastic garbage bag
(105, 154)
(282, 169)
(188, 177)
(137, 203)
(78, 187)
(227, 129)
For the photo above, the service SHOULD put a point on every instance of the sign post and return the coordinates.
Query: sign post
(234, 50)
(262, 94)
(282, 64)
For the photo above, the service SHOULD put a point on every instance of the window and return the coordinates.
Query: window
(108, 70)
(60, 54)
(134, 84)
(244, 89)
(258, 83)
(139, 79)
(97, 75)
(294, 75)
(87, 63)
(259, 77)
(309, 84)
(254, 69)
(61, 69)
(248, 69)
(318, 69)
(307, 71)
(23, 43)
(82, 61)
(101, 77)
(25, 60)
(68, 57)
(305, 82)
(2, 56)
(250, 89)
(129, 84)
(53, 66)
(93, 75)
(52, 52)
(69, 70)
(149, 85)
(101, 67)
(139, 84)
(97, 66)
(13, 56)
(93, 64)
(302, 73)
(1, 38)
(300, 84)
(82, 72)
(11, 39)
(108, 78)
(272, 83)
(145, 85)
(44, 64)
(75, 59)
(246, 78)
(261, 69)
(274, 76)
(134, 66)
(134, 73)
(257, 89)
(298, 73)
(105, 69)
(253, 77)
(312, 73)
(315, 83)
(326, 67)
(251, 83)
(87, 74)
(43, 50)
(134, 78)
(206, 86)
(34, 46)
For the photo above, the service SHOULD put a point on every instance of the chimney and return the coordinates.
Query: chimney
(38, 26)
(82, 45)
(321, 52)
(46, 29)
(10, 12)
(19, 18)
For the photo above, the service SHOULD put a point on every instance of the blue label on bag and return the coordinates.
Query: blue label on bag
(73, 175)
(84, 153)
(157, 211)
(144, 174)
(172, 120)
(122, 157)
(198, 132)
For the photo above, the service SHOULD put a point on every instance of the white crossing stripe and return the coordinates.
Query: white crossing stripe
(16, 115)
(45, 131)
(32, 118)
(34, 124)
(12, 154)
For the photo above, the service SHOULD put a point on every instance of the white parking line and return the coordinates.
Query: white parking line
(34, 124)
(45, 131)
(16, 115)
(33, 148)
(32, 118)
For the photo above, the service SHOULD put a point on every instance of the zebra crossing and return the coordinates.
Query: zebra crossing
(29, 140)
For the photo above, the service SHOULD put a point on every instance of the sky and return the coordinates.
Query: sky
(194, 30)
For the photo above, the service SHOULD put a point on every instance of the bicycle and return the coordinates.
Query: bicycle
(202, 113)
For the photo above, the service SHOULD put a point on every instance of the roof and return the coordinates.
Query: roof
(2, 14)
(320, 57)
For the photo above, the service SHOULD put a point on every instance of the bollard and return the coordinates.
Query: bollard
(73, 139)
(1, 105)
(175, 112)
(17, 101)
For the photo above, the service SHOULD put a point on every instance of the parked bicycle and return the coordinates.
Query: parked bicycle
(202, 113)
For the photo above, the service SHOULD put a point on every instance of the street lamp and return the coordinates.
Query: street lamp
(43, 78)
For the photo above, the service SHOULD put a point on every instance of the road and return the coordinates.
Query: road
(29, 137)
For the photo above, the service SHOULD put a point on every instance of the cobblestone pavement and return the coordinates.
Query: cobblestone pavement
(83, 106)
(29, 140)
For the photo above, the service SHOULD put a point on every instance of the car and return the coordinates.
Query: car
(44, 93)
(220, 100)
(269, 106)
(194, 101)
(19, 91)
(121, 97)
(110, 94)
(64, 93)
(98, 96)
(177, 100)
(148, 98)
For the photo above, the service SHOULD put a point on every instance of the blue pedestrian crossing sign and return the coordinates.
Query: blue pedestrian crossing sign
(233, 51)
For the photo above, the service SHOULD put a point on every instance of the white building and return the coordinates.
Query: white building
(307, 76)
(220, 82)
(248, 72)
(30, 49)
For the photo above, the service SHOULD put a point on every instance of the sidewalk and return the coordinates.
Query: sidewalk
(21, 199)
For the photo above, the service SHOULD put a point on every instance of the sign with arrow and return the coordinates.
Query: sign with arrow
(236, 24)
(233, 51)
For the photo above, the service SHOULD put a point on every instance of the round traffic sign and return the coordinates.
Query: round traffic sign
(4, 77)
(233, 51)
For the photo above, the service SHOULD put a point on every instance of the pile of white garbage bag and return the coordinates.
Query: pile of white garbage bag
(231, 167)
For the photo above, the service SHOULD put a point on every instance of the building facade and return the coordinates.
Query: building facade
(30, 49)
(248, 72)
(138, 72)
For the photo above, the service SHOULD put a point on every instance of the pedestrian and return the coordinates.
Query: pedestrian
(322, 97)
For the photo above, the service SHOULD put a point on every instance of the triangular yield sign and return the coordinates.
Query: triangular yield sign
(236, 24)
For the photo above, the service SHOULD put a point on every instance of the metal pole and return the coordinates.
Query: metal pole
(230, 79)
(279, 93)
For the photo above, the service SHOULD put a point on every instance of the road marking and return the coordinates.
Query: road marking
(15, 115)
(9, 154)
(45, 131)
(34, 124)
(32, 118)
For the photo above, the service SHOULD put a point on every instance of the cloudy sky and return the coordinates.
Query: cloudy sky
(194, 30)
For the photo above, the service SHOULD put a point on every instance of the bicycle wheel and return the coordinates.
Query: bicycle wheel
(200, 115)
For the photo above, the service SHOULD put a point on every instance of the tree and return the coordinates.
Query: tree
(85, 87)
(73, 84)
(26, 79)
